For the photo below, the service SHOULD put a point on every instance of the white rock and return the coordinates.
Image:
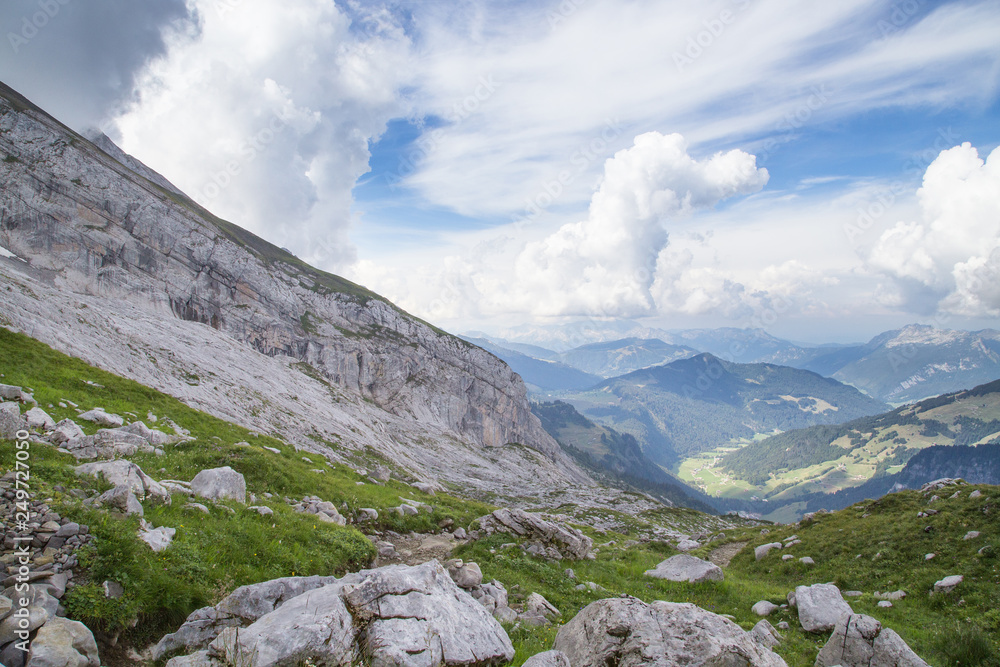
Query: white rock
(537, 605)
(39, 419)
(102, 418)
(971, 535)
(764, 633)
(948, 583)
(764, 608)
(885, 604)
(547, 659)
(568, 541)
(64, 643)
(65, 431)
(687, 545)
(763, 550)
(806, 560)
(820, 606)
(122, 499)
(861, 641)
(220, 484)
(158, 539)
(683, 567)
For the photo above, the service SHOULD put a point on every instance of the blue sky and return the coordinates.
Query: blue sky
(487, 164)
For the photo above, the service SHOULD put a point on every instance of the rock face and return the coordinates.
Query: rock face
(820, 606)
(686, 568)
(394, 615)
(628, 632)
(861, 641)
(130, 260)
(566, 541)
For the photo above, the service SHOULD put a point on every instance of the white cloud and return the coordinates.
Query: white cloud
(953, 255)
(264, 115)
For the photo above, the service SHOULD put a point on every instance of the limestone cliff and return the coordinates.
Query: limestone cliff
(168, 281)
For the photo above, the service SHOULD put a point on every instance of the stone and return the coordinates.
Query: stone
(126, 473)
(806, 560)
(10, 392)
(122, 499)
(466, 575)
(102, 418)
(262, 510)
(683, 567)
(220, 484)
(537, 605)
(971, 535)
(820, 606)
(975, 494)
(862, 641)
(627, 632)
(240, 608)
(197, 659)
(39, 419)
(764, 608)
(11, 421)
(367, 514)
(948, 583)
(63, 643)
(11, 656)
(68, 529)
(687, 545)
(569, 542)
(783, 625)
(787, 557)
(885, 604)
(895, 595)
(763, 550)
(113, 590)
(198, 507)
(460, 534)
(764, 633)
(158, 539)
(547, 659)
(6, 606)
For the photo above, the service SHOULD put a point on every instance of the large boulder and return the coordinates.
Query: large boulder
(9, 392)
(567, 541)
(65, 431)
(126, 473)
(410, 616)
(39, 419)
(240, 608)
(627, 632)
(11, 420)
(63, 643)
(861, 641)
(547, 659)
(105, 444)
(220, 484)
(683, 567)
(821, 606)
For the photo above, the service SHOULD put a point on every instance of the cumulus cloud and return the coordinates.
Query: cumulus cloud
(79, 60)
(953, 254)
(265, 112)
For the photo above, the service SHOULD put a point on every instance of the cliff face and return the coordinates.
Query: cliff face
(92, 230)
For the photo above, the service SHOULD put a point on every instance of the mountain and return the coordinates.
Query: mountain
(618, 357)
(831, 458)
(609, 452)
(539, 374)
(697, 404)
(116, 267)
(915, 362)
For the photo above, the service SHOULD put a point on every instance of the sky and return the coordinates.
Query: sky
(826, 171)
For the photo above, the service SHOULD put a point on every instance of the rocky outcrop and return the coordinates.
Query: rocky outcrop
(193, 294)
(861, 641)
(220, 484)
(394, 615)
(630, 633)
(555, 540)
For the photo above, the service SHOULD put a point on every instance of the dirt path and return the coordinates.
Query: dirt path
(725, 553)
(420, 549)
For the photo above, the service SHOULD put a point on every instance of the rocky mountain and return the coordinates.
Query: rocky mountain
(116, 267)
(697, 404)
(539, 374)
(915, 362)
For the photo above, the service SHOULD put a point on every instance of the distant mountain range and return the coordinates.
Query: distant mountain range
(898, 367)
(697, 404)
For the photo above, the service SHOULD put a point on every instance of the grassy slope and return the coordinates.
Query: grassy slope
(212, 554)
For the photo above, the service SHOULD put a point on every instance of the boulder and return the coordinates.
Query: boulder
(466, 575)
(763, 550)
(39, 419)
(240, 608)
(765, 634)
(63, 643)
(126, 473)
(11, 420)
(687, 545)
(547, 659)
(764, 608)
(197, 659)
(971, 535)
(861, 641)
(65, 431)
(102, 418)
(537, 605)
(683, 567)
(948, 583)
(569, 542)
(820, 607)
(627, 632)
(105, 444)
(158, 539)
(122, 499)
(410, 615)
(9, 392)
(220, 484)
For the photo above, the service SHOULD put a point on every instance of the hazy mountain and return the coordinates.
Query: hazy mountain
(700, 403)
(539, 374)
(915, 362)
(619, 357)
